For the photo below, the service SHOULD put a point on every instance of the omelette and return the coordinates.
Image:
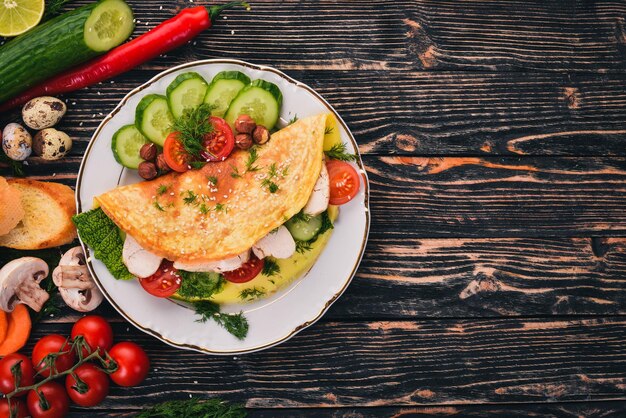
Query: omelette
(221, 210)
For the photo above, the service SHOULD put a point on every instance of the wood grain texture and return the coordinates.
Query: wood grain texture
(395, 363)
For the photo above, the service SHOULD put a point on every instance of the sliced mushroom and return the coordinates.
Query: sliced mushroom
(279, 244)
(220, 266)
(76, 286)
(19, 283)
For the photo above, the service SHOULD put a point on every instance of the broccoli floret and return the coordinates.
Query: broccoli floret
(200, 285)
(100, 233)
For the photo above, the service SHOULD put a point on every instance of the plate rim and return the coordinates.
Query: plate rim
(359, 162)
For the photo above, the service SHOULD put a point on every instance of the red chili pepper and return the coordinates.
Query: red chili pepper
(167, 36)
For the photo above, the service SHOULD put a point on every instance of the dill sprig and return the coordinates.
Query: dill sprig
(252, 158)
(17, 167)
(162, 189)
(303, 246)
(270, 185)
(338, 152)
(190, 197)
(158, 206)
(328, 130)
(213, 408)
(192, 126)
(301, 216)
(270, 267)
(251, 294)
(236, 324)
(212, 180)
(292, 120)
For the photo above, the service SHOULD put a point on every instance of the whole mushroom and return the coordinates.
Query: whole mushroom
(19, 283)
(76, 286)
(17, 143)
(51, 144)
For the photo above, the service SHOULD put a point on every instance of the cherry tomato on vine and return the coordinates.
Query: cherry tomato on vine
(53, 343)
(248, 271)
(133, 364)
(164, 283)
(7, 381)
(344, 182)
(57, 403)
(96, 331)
(97, 385)
(18, 407)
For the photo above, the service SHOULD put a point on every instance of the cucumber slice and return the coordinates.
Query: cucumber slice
(153, 118)
(110, 24)
(223, 89)
(187, 91)
(261, 100)
(126, 143)
(304, 230)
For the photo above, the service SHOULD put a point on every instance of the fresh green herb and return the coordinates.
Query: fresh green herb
(236, 324)
(285, 171)
(235, 174)
(273, 171)
(251, 294)
(200, 285)
(158, 206)
(292, 120)
(328, 130)
(194, 408)
(17, 167)
(301, 217)
(252, 157)
(197, 165)
(162, 189)
(303, 246)
(100, 233)
(204, 209)
(327, 224)
(190, 197)
(212, 180)
(338, 152)
(270, 185)
(192, 126)
(220, 207)
(271, 267)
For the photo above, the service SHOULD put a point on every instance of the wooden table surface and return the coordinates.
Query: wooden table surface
(494, 280)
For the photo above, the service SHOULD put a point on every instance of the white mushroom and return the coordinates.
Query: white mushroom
(76, 286)
(140, 262)
(220, 266)
(318, 202)
(278, 243)
(19, 283)
(17, 143)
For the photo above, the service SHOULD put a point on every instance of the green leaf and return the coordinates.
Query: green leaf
(194, 408)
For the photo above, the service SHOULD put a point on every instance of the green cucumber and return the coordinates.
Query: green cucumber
(126, 144)
(61, 43)
(304, 230)
(223, 89)
(153, 118)
(185, 92)
(261, 100)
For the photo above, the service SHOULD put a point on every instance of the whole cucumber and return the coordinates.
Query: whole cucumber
(62, 42)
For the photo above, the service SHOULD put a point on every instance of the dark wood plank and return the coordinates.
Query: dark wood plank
(551, 410)
(395, 363)
(434, 114)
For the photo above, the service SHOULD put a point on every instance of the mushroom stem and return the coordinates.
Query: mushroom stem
(32, 295)
(74, 277)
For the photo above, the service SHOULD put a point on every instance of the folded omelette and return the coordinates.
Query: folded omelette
(224, 208)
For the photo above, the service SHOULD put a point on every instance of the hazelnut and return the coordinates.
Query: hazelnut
(147, 170)
(148, 152)
(243, 141)
(161, 164)
(261, 135)
(245, 124)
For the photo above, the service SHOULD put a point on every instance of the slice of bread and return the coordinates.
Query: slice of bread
(47, 221)
(11, 210)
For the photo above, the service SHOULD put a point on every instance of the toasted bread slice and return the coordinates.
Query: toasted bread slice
(11, 210)
(48, 214)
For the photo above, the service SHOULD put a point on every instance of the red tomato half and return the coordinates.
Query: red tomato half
(219, 143)
(7, 382)
(175, 154)
(133, 364)
(18, 407)
(50, 344)
(96, 330)
(248, 271)
(58, 404)
(344, 182)
(97, 383)
(164, 283)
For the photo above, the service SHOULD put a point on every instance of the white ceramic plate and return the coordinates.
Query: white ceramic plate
(273, 319)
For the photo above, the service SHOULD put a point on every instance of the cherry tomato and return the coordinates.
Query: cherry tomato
(219, 143)
(53, 343)
(57, 403)
(7, 382)
(175, 154)
(164, 283)
(248, 271)
(97, 383)
(132, 364)
(344, 182)
(18, 407)
(96, 331)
